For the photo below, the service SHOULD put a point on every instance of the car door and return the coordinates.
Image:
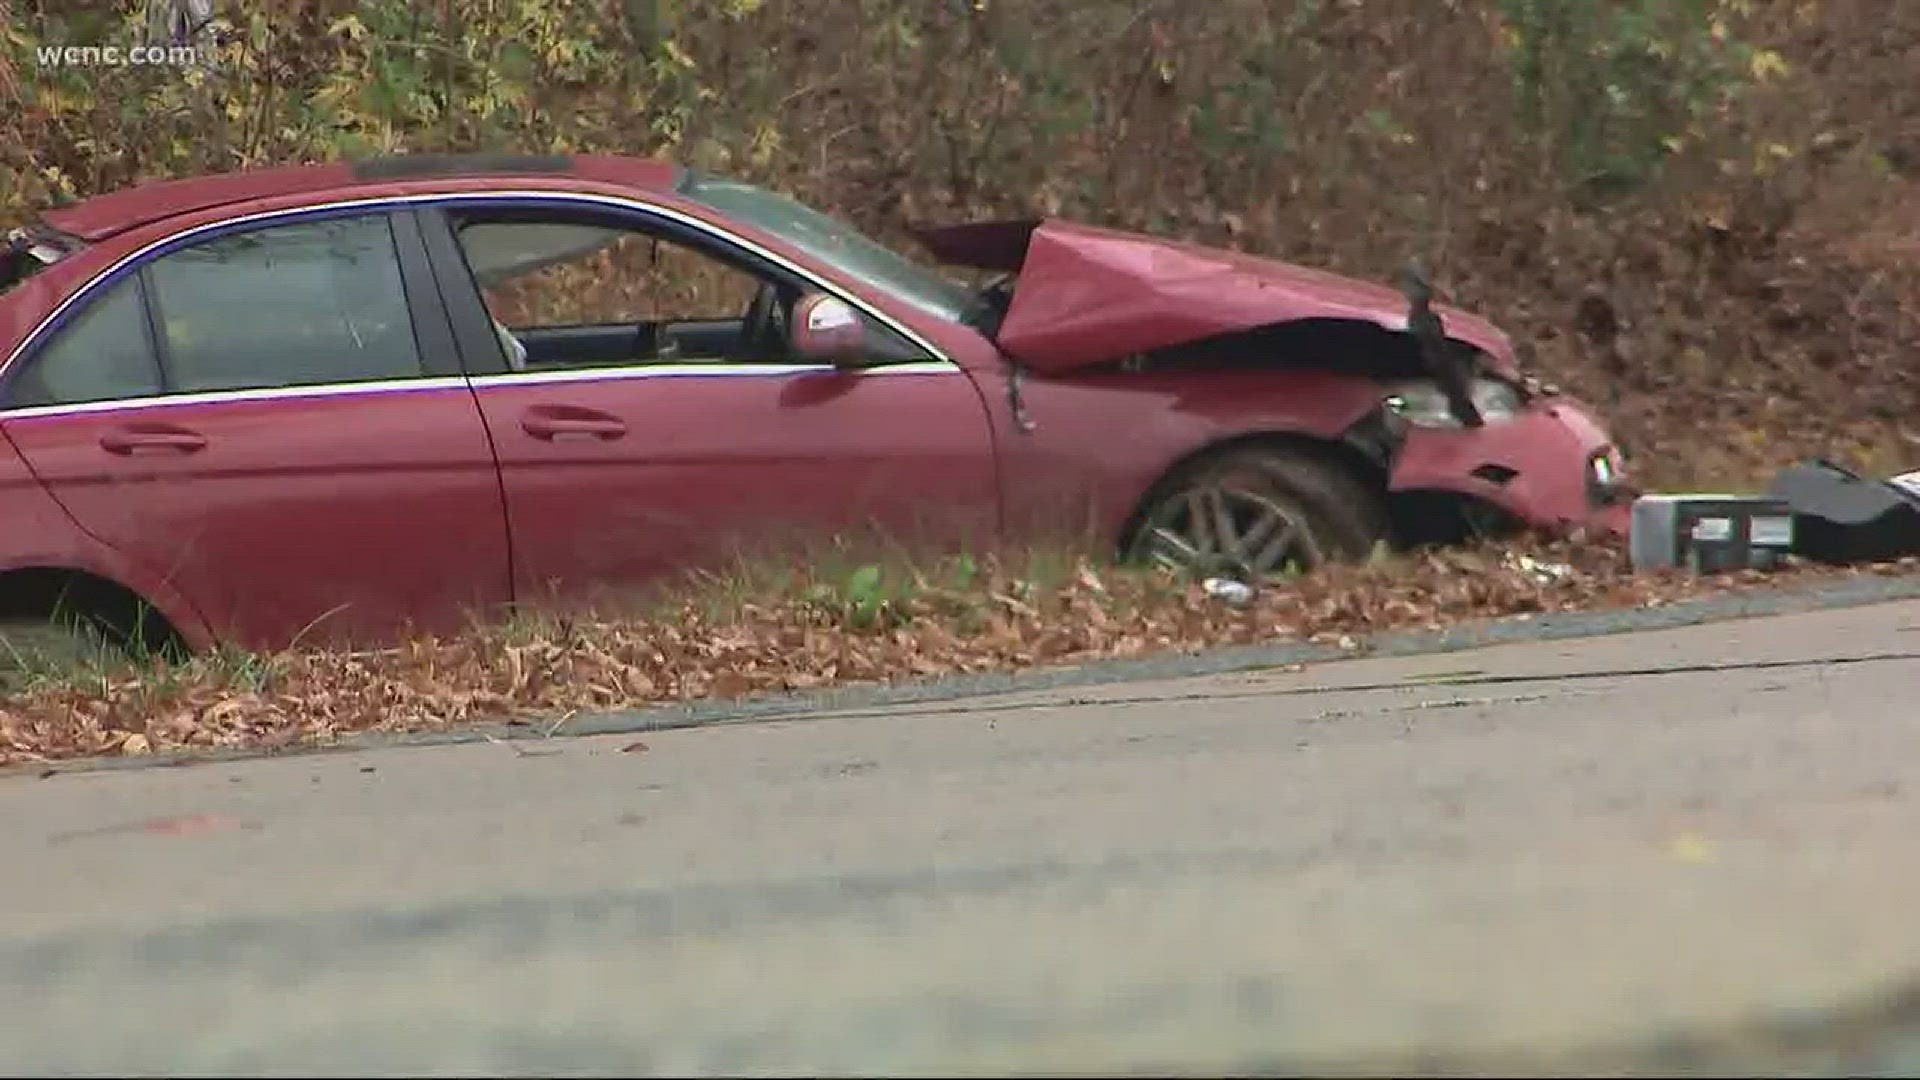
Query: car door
(273, 418)
(641, 430)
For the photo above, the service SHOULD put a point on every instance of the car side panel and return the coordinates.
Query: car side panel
(326, 513)
(1081, 452)
(698, 463)
(40, 535)
(764, 464)
(337, 516)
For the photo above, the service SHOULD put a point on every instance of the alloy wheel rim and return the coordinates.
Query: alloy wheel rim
(1226, 531)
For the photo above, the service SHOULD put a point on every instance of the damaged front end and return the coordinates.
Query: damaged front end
(1464, 446)
(1500, 442)
(1457, 422)
(1543, 462)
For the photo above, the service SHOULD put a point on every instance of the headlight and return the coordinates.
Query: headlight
(1603, 473)
(1424, 404)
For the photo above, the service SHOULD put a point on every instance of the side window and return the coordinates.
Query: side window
(540, 275)
(566, 294)
(287, 305)
(104, 354)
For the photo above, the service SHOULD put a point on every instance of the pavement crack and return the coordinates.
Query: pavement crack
(1442, 703)
(1214, 695)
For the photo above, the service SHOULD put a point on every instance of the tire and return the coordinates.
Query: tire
(1290, 509)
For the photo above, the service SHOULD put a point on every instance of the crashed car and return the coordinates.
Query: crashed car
(347, 401)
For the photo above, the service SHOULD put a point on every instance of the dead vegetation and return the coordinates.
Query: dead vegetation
(759, 630)
(1695, 215)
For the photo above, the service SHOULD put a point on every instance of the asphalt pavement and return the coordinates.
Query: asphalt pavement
(1689, 849)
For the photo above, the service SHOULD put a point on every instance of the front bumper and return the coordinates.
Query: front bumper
(1552, 466)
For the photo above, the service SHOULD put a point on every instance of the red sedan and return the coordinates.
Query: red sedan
(336, 402)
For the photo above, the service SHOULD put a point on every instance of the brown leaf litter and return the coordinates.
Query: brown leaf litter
(809, 636)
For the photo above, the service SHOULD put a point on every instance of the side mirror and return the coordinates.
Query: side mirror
(827, 330)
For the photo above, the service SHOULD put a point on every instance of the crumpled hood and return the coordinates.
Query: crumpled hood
(1088, 295)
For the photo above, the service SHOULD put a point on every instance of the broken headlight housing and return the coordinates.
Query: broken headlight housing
(1423, 404)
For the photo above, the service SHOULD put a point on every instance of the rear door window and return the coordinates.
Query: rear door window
(306, 304)
(291, 305)
(102, 355)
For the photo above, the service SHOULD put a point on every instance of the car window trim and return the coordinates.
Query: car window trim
(130, 263)
(423, 384)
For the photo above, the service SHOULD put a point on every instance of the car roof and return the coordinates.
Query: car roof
(115, 212)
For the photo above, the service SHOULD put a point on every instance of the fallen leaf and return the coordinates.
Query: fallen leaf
(182, 826)
(190, 826)
(518, 750)
(774, 638)
(1691, 849)
(634, 748)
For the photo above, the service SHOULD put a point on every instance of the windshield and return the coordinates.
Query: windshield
(836, 243)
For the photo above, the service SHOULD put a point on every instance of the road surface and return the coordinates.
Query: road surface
(1683, 849)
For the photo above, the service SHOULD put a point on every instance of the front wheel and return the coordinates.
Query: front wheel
(1257, 513)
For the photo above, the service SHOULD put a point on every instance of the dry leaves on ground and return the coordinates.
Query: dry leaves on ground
(809, 636)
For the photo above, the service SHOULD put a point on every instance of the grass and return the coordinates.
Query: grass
(851, 614)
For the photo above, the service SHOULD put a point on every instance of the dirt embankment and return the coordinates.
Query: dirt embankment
(1735, 278)
(1704, 223)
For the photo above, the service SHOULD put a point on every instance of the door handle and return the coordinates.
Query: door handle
(133, 440)
(550, 423)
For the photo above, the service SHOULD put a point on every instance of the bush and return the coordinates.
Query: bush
(1697, 175)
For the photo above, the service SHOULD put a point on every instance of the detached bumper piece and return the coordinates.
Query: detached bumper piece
(1709, 534)
(1841, 517)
